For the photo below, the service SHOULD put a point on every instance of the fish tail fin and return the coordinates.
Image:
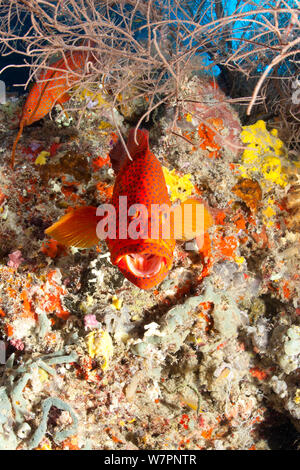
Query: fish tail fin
(76, 228)
(191, 219)
(137, 142)
(13, 152)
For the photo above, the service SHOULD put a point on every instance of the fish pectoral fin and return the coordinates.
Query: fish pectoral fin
(191, 219)
(76, 228)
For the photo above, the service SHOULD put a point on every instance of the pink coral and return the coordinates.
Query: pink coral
(18, 344)
(90, 322)
(15, 259)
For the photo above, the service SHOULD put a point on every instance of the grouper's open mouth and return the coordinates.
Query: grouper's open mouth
(143, 265)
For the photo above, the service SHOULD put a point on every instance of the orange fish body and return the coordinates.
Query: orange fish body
(145, 262)
(145, 258)
(51, 89)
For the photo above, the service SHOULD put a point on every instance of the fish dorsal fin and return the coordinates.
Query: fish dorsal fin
(137, 142)
(118, 155)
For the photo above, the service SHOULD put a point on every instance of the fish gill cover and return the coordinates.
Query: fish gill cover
(209, 357)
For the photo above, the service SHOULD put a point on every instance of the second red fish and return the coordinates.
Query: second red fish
(51, 89)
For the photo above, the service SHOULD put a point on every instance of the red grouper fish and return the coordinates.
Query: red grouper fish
(144, 256)
(51, 88)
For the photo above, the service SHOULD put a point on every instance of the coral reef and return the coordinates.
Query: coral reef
(208, 359)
